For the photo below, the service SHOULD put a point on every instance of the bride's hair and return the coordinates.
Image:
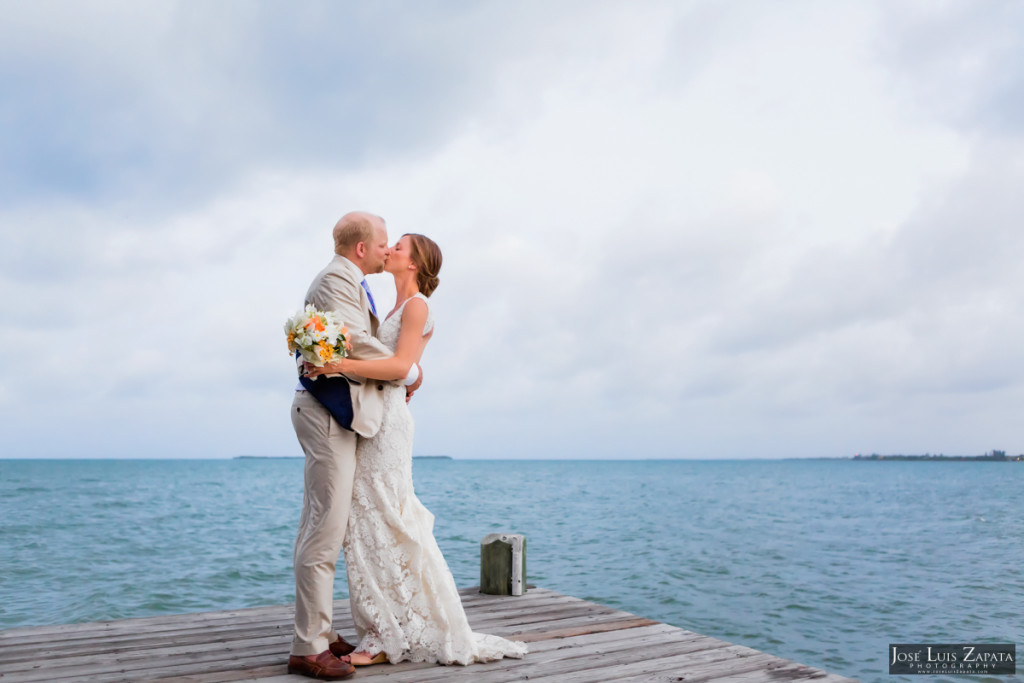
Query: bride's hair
(427, 257)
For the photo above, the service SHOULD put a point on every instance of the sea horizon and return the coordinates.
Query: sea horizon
(925, 457)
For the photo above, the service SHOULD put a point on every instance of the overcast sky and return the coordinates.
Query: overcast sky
(670, 229)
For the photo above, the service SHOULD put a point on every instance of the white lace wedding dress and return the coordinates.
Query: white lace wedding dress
(403, 597)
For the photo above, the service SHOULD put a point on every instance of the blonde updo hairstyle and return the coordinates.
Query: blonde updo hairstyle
(427, 257)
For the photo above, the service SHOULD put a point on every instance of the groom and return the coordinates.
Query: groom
(326, 426)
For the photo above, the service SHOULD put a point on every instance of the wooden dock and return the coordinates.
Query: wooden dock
(571, 641)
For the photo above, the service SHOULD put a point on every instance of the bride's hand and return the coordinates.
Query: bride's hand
(330, 368)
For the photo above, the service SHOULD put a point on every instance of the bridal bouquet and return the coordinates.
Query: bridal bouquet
(319, 337)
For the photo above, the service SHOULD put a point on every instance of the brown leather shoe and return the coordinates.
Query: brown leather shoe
(324, 666)
(340, 648)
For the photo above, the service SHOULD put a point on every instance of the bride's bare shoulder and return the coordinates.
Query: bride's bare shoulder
(415, 311)
(417, 315)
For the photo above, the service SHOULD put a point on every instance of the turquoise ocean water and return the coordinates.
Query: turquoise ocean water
(822, 562)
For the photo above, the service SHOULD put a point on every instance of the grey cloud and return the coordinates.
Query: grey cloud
(963, 60)
(620, 279)
(929, 310)
(179, 102)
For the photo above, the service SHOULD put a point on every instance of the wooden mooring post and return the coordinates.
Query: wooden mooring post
(503, 564)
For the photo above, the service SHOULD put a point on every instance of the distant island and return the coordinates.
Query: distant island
(994, 456)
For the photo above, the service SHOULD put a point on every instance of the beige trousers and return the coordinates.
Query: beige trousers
(330, 466)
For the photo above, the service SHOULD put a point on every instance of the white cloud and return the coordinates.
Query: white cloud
(669, 230)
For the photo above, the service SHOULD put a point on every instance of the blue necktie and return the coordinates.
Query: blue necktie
(373, 309)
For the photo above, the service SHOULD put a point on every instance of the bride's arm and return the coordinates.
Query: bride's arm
(411, 342)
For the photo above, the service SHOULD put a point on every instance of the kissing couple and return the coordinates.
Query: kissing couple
(352, 420)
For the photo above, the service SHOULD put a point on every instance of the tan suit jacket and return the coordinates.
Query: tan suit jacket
(337, 288)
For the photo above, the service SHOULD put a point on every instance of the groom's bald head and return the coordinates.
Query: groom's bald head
(362, 238)
(353, 228)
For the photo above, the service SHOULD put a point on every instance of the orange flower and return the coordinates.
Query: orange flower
(316, 323)
(291, 342)
(324, 350)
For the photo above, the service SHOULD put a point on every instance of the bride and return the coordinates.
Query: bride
(404, 601)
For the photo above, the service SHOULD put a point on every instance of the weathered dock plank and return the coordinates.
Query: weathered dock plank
(571, 641)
